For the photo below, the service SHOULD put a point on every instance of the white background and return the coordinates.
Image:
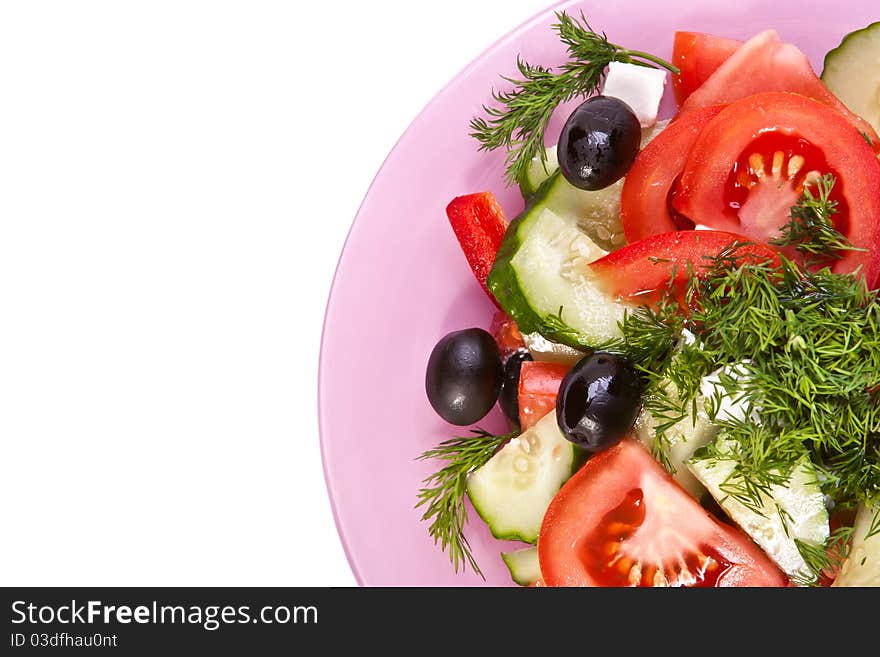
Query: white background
(176, 183)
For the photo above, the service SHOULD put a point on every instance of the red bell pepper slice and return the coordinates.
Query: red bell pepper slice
(479, 224)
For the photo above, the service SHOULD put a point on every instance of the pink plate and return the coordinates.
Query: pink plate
(402, 280)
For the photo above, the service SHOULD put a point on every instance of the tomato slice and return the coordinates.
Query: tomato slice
(642, 271)
(645, 200)
(622, 520)
(538, 387)
(750, 163)
(697, 56)
(765, 63)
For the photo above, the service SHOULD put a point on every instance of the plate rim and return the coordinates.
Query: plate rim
(321, 406)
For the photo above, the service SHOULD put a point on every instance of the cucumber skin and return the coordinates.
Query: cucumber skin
(840, 51)
(526, 186)
(510, 562)
(503, 281)
(834, 52)
(526, 189)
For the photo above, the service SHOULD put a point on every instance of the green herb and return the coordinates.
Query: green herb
(555, 327)
(810, 228)
(826, 558)
(808, 344)
(518, 124)
(445, 490)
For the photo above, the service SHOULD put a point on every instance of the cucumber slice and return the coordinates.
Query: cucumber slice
(538, 172)
(852, 73)
(597, 213)
(681, 440)
(800, 502)
(513, 490)
(523, 565)
(862, 566)
(686, 436)
(540, 269)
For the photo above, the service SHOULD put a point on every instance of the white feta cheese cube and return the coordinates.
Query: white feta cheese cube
(640, 87)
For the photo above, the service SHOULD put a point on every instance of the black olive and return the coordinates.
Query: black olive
(598, 143)
(464, 376)
(598, 401)
(509, 398)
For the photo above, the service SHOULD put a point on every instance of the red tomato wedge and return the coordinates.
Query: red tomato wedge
(765, 63)
(750, 163)
(538, 386)
(645, 201)
(697, 56)
(640, 272)
(479, 224)
(622, 520)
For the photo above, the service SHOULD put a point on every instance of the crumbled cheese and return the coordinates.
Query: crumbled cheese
(640, 87)
(688, 338)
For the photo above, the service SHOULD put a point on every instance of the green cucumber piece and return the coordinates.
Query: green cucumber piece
(596, 214)
(513, 489)
(541, 281)
(852, 73)
(789, 513)
(681, 440)
(538, 172)
(862, 566)
(523, 565)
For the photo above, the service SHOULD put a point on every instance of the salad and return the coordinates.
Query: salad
(687, 336)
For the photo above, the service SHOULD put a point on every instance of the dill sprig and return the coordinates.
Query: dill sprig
(825, 559)
(555, 327)
(808, 345)
(810, 228)
(519, 122)
(445, 490)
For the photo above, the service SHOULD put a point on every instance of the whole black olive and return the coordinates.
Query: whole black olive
(598, 143)
(598, 401)
(463, 377)
(509, 398)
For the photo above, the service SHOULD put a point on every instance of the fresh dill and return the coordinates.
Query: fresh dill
(810, 229)
(824, 560)
(555, 327)
(444, 491)
(519, 121)
(808, 346)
